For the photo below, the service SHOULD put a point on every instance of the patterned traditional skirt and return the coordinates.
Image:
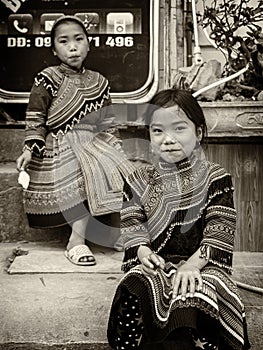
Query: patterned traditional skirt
(80, 173)
(143, 312)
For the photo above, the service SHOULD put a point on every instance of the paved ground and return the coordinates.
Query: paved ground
(55, 308)
(45, 309)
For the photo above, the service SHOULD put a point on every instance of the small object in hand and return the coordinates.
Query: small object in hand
(155, 264)
(23, 179)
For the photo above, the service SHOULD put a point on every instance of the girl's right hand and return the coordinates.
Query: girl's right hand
(23, 161)
(149, 260)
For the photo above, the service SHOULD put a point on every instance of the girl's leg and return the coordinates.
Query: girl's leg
(77, 236)
(129, 325)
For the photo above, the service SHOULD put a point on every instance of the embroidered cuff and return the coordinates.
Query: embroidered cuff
(35, 148)
(217, 256)
(27, 148)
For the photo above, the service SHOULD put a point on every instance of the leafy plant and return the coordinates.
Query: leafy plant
(235, 29)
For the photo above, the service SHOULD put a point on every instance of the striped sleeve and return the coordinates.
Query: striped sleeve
(220, 223)
(134, 228)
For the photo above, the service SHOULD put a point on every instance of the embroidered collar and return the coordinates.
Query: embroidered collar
(68, 70)
(182, 165)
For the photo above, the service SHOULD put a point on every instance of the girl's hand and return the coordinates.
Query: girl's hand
(187, 278)
(23, 161)
(149, 260)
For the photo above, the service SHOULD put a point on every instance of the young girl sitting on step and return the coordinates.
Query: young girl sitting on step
(178, 227)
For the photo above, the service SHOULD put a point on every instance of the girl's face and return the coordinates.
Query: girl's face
(173, 135)
(71, 44)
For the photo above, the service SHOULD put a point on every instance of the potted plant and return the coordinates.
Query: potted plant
(236, 106)
(235, 29)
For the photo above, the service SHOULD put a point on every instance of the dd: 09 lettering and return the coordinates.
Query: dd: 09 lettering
(41, 41)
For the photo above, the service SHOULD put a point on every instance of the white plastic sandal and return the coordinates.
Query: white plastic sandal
(80, 251)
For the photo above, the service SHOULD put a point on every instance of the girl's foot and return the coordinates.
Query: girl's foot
(80, 255)
(74, 241)
(77, 238)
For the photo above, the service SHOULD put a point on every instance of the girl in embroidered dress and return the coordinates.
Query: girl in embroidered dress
(178, 226)
(73, 159)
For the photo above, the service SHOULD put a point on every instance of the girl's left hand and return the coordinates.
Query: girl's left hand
(23, 160)
(149, 260)
(187, 278)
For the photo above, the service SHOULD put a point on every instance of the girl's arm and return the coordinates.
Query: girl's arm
(36, 115)
(217, 243)
(35, 130)
(134, 232)
(134, 224)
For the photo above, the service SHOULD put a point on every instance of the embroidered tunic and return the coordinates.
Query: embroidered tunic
(175, 209)
(178, 208)
(69, 130)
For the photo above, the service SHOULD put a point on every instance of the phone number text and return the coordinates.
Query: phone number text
(118, 41)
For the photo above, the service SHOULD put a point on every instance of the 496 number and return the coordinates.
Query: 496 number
(119, 41)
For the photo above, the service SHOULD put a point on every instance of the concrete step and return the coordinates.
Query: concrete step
(11, 143)
(44, 310)
(13, 221)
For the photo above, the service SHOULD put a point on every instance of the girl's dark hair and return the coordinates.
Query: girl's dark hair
(65, 19)
(181, 98)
